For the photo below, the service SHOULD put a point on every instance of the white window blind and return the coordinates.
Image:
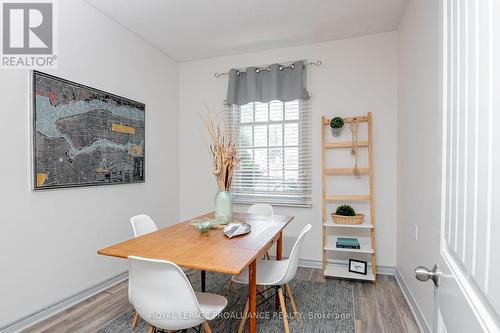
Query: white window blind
(274, 148)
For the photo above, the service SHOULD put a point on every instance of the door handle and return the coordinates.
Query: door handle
(423, 274)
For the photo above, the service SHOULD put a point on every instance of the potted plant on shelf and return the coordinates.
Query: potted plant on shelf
(225, 160)
(345, 214)
(337, 124)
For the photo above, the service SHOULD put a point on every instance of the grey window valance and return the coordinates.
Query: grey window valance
(276, 82)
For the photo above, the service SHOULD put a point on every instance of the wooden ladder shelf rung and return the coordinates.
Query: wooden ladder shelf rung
(346, 171)
(333, 198)
(348, 144)
(361, 119)
(331, 269)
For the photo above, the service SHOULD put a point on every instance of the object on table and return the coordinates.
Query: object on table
(237, 229)
(205, 225)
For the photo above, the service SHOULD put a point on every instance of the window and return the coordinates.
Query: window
(273, 146)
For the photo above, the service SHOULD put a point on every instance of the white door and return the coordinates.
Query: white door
(468, 296)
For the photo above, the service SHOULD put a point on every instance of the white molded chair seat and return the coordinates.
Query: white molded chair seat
(162, 295)
(210, 304)
(143, 224)
(269, 273)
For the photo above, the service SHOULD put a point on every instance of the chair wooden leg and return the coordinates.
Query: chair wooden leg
(292, 301)
(135, 319)
(151, 329)
(243, 319)
(283, 310)
(267, 256)
(206, 326)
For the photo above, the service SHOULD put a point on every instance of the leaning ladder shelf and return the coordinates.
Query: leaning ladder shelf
(367, 244)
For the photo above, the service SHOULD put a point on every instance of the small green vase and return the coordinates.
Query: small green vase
(223, 207)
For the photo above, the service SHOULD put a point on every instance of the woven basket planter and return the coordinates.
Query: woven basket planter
(341, 219)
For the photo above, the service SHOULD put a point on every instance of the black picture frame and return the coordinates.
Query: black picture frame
(138, 174)
(363, 263)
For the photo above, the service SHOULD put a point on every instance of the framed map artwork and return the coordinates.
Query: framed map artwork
(83, 136)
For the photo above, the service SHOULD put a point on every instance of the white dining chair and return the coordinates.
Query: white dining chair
(258, 209)
(261, 209)
(143, 224)
(161, 294)
(277, 274)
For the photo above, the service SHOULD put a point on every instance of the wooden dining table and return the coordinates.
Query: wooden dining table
(185, 246)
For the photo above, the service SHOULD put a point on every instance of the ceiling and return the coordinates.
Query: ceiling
(195, 29)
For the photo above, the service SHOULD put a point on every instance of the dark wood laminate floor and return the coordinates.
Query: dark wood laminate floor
(379, 308)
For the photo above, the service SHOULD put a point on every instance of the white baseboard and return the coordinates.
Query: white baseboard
(52, 310)
(415, 309)
(308, 263)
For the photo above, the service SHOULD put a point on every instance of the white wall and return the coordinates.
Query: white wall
(48, 240)
(419, 147)
(358, 75)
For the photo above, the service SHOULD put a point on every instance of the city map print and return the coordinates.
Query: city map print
(83, 136)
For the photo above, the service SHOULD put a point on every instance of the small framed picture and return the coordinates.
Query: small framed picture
(357, 266)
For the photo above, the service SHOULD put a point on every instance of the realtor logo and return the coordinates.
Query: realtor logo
(28, 34)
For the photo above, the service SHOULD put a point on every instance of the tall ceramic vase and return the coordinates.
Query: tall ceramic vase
(223, 207)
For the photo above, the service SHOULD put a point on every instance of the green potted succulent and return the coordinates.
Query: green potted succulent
(345, 214)
(337, 124)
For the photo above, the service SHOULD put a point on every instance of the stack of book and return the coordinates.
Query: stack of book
(347, 243)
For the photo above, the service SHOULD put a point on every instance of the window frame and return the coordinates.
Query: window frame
(301, 198)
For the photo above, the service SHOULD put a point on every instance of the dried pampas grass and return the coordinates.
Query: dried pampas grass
(222, 148)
